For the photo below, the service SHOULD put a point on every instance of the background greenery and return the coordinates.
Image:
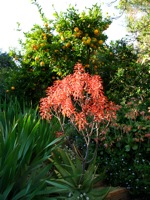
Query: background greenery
(49, 53)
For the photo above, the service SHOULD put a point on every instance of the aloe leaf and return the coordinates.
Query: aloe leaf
(19, 195)
(58, 185)
(7, 191)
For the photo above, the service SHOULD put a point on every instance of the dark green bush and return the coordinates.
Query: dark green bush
(124, 150)
(7, 70)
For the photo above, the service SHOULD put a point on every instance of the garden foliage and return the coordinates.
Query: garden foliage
(91, 132)
(26, 143)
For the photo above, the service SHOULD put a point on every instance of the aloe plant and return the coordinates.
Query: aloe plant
(69, 180)
(26, 143)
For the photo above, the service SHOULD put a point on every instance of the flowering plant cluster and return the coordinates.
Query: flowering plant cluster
(80, 98)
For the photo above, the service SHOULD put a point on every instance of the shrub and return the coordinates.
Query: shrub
(124, 149)
(7, 70)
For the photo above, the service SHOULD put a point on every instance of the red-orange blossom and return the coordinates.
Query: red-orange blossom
(80, 98)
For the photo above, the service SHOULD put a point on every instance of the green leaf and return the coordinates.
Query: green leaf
(58, 185)
(127, 148)
(135, 147)
(7, 191)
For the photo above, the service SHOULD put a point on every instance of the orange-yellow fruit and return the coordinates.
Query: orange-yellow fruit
(36, 58)
(78, 33)
(42, 44)
(7, 91)
(35, 47)
(111, 53)
(46, 24)
(88, 41)
(76, 29)
(100, 42)
(12, 88)
(42, 63)
(68, 45)
(43, 34)
(59, 73)
(62, 38)
(96, 31)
